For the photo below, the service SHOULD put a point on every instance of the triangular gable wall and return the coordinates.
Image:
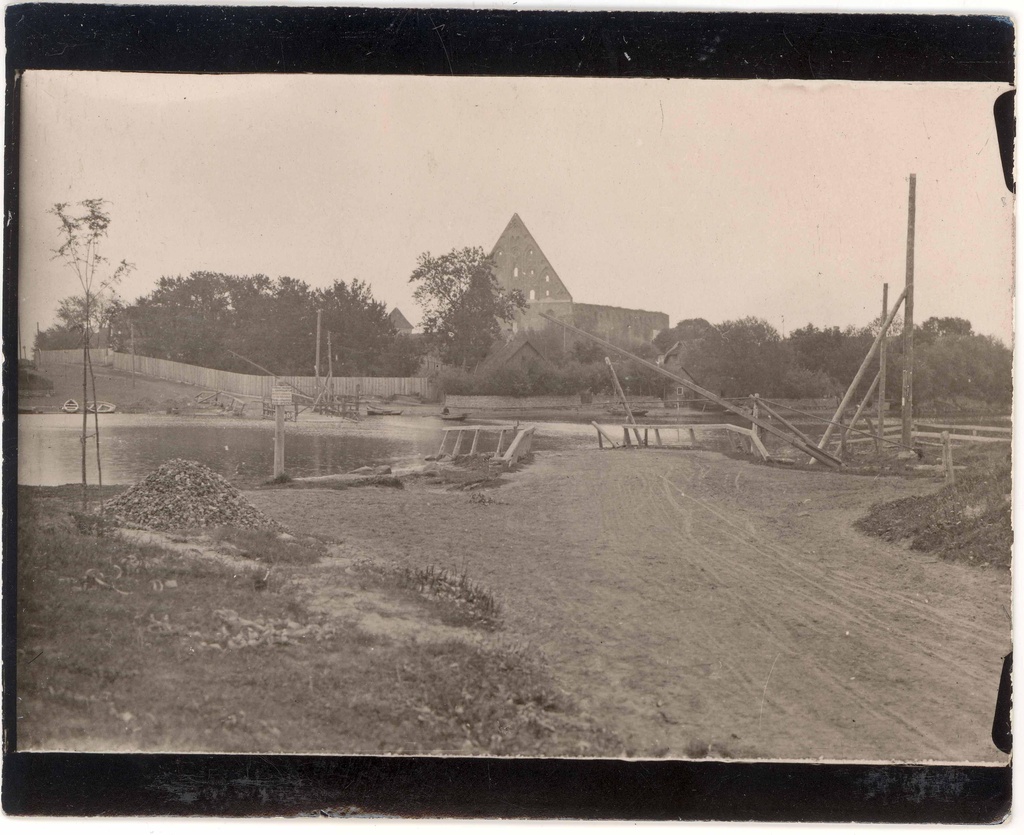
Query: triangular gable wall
(519, 264)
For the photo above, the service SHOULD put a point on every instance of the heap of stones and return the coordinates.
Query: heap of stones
(186, 494)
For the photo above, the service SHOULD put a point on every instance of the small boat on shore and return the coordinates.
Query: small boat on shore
(463, 416)
(372, 412)
(99, 407)
(70, 406)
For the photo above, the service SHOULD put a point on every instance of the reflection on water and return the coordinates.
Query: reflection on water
(49, 446)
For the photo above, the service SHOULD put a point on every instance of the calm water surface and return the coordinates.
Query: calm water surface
(49, 449)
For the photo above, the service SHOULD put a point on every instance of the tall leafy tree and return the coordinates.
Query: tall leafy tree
(361, 332)
(463, 304)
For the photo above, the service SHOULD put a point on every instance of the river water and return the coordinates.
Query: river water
(49, 446)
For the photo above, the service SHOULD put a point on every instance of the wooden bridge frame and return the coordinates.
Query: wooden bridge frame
(752, 441)
(459, 433)
(519, 445)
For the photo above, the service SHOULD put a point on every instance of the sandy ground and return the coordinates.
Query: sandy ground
(693, 602)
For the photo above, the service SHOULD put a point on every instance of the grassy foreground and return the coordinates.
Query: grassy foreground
(133, 647)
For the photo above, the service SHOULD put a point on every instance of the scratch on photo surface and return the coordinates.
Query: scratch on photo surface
(765, 691)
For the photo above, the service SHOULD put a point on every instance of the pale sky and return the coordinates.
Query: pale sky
(715, 199)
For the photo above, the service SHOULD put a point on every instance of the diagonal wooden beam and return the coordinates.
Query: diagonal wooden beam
(811, 450)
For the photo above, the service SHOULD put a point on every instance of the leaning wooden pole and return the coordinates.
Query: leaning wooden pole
(703, 392)
(881, 369)
(908, 320)
(860, 372)
(618, 389)
(793, 429)
(863, 403)
(622, 397)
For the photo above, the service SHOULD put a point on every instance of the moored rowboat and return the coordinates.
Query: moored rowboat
(70, 406)
(101, 407)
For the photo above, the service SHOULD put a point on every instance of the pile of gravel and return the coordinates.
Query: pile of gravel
(186, 494)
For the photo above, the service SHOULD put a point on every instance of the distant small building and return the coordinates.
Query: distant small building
(400, 323)
(517, 352)
(672, 361)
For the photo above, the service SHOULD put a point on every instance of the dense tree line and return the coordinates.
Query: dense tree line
(735, 358)
(953, 365)
(214, 320)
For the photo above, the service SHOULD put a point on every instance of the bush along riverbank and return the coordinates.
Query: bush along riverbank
(248, 639)
(969, 521)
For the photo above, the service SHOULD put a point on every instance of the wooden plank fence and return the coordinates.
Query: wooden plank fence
(73, 356)
(248, 385)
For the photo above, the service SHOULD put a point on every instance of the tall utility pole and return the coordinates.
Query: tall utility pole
(881, 369)
(317, 367)
(908, 321)
(131, 325)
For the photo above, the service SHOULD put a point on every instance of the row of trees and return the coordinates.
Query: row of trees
(953, 365)
(213, 319)
(742, 356)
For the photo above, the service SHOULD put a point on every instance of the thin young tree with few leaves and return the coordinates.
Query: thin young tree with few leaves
(82, 228)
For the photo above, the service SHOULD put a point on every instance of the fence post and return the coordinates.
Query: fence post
(947, 459)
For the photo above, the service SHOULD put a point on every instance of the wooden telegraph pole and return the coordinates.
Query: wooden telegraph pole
(316, 368)
(881, 371)
(908, 321)
(131, 326)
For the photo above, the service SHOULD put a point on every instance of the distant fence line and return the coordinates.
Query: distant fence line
(73, 356)
(249, 385)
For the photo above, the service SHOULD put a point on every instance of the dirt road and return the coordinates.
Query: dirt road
(697, 604)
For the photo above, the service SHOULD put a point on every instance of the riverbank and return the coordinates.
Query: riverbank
(660, 603)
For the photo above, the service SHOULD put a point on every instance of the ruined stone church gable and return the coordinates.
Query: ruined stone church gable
(519, 264)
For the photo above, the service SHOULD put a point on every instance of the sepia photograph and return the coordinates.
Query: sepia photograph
(591, 418)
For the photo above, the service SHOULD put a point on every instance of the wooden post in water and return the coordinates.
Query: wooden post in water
(881, 367)
(280, 397)
(908, 320)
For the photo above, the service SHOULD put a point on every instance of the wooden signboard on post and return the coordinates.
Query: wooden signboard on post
(280, 397)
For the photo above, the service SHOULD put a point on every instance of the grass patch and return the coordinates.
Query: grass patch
(268, 547)
(171, 653)
(969, 522)
(474, 599)
(457, 600)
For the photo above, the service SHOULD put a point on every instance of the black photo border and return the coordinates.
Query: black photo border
(432, 41)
